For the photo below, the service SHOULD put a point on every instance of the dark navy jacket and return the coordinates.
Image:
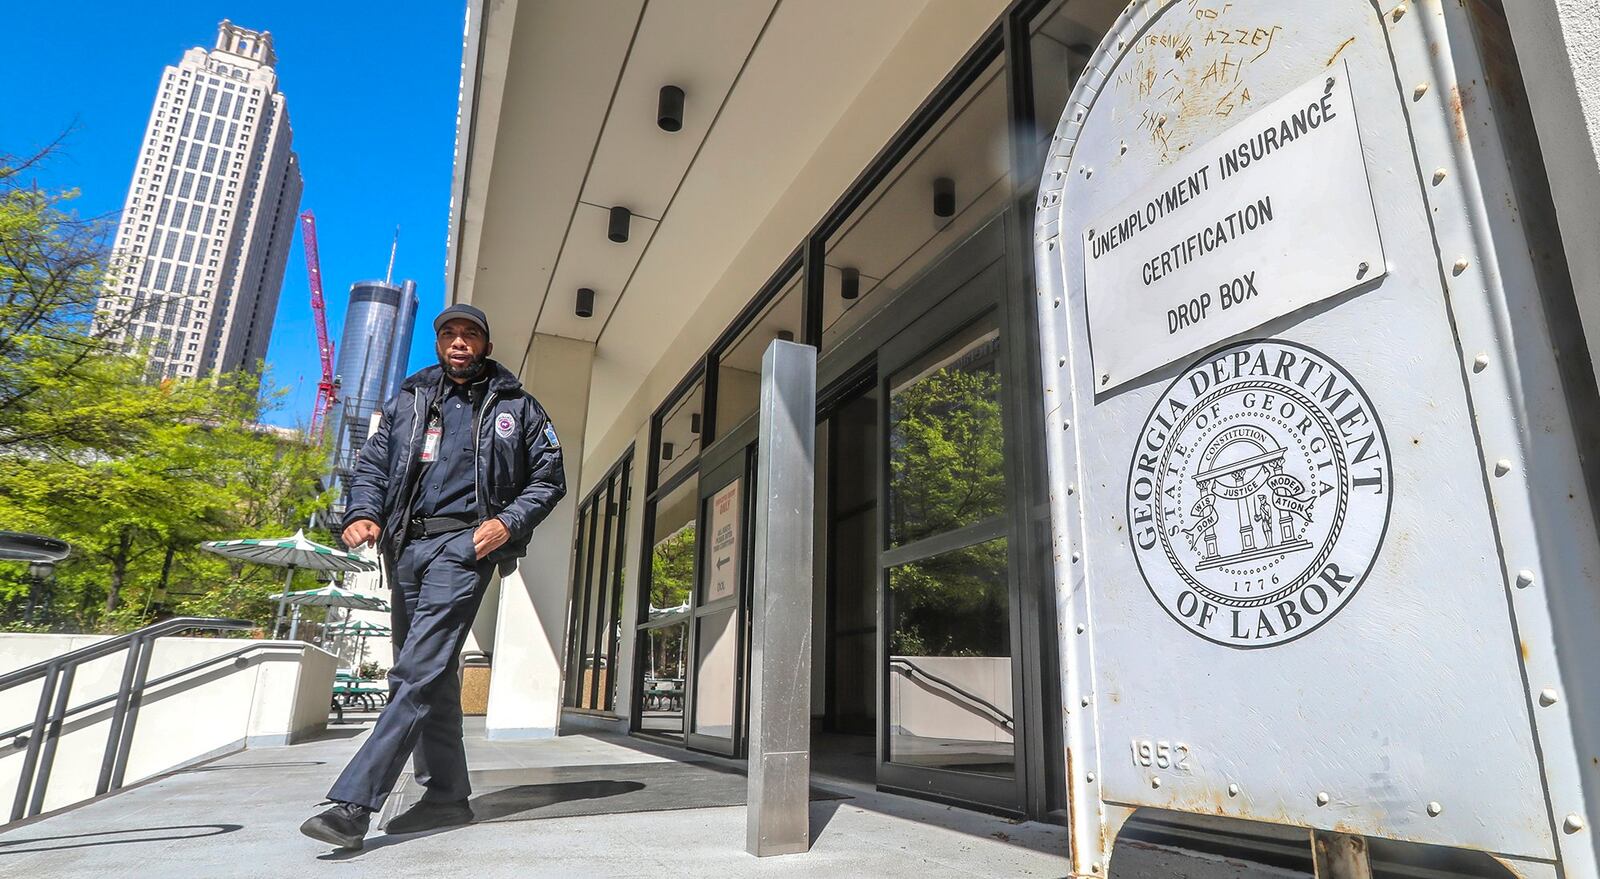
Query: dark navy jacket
(519, 466)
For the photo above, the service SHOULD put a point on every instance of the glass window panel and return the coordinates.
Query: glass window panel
(739, 367)
(895, 234)
(679, 443)
(665, 633)
(716, 668)
(595, 604)
(1062, 38)
(946, 442)
(602, 623)
(580, 578)
(661, 693)
(950, 694)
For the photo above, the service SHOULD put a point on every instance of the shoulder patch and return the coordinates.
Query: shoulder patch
(504, 425)
(550, 436)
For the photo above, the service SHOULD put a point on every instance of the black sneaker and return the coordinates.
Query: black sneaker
(429, 815)
(344, 825)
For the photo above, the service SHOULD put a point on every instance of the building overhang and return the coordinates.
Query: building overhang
(785, 103)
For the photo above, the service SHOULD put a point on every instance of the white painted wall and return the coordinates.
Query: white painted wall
(1558, 49)
(525, 680)
(278, 693)
(918, 709)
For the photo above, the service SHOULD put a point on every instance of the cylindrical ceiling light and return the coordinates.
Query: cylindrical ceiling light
(944, 198)
(666, 451)
(669, 109)
(849, 283)
(617, 228)
(694, 423)
(785, 336)
(585, 302)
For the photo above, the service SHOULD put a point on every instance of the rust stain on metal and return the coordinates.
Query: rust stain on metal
(1459, 100)
(1339, 51)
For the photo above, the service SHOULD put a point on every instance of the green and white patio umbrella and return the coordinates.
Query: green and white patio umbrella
(329, 596)
(359, 628)
(294, 553)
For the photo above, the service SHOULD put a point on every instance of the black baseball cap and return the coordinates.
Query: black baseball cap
(462, 312)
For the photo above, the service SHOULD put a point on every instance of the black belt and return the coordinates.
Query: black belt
(421, 526)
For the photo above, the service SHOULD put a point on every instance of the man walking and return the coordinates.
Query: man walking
(461, 469)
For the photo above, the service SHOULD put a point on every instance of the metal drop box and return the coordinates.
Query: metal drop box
(1316, 400)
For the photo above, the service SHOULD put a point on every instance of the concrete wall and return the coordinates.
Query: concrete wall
(277, 693)
(1558, 48)
(921, 709)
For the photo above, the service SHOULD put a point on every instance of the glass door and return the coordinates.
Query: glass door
(715, 719)
(949, 686)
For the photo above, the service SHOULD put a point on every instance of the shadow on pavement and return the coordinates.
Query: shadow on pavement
(10, 846)
(503, 803)
(527, 797)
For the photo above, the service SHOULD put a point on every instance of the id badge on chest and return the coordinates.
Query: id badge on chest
(430, 442)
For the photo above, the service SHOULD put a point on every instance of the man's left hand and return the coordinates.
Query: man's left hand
(490, 536)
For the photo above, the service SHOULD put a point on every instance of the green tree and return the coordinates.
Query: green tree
(672, 569)
(133, 473)
(946, 472)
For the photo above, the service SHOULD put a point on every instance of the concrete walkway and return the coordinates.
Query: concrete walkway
(237, 817)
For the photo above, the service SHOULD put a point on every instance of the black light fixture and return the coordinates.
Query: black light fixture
(666, 451)
(585, 302)
(669, 109)
(617, 228)
(944, 198)
(694, 423)
(849, 283)
(785, 336)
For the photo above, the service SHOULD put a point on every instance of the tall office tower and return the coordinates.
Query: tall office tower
(373, 351)
(199, 255)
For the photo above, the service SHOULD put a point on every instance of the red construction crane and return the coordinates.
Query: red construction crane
(327, 390)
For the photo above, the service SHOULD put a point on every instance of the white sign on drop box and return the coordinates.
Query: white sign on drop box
(1272, 215)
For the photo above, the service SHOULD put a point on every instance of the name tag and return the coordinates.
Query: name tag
(430, 443)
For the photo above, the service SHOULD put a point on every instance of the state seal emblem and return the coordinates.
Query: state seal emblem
(1259, 493)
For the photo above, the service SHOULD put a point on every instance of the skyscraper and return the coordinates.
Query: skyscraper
(373, 350)
(205, 231)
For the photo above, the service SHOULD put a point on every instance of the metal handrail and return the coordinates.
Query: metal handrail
(999, 716)
(57, 674)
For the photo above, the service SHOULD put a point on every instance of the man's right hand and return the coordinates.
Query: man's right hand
(360, 533)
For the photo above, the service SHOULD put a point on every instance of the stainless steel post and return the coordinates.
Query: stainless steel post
(35, 737)
(778, 819)
(52, 736)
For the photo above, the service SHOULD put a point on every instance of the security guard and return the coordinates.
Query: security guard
(461, 469)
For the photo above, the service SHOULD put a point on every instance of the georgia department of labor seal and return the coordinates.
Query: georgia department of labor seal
(1259, 493)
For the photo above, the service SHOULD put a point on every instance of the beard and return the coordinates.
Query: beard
(470, 371)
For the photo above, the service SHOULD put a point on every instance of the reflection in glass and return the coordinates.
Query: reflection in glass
(950, 702)
(895, 236)
(664, 631)
(661, 691)
(946, 443)
(739, 367)
(715, 670)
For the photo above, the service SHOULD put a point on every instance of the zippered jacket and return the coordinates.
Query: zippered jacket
(518, 462)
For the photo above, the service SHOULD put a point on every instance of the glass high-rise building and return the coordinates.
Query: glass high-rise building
(371, 361)
(205, 231)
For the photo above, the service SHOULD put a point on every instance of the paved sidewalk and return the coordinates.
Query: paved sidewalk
(238, 817)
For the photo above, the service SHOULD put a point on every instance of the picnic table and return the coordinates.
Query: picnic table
(350, 691)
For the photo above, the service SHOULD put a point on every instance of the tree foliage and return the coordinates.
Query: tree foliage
(946, 472)
(132, 473)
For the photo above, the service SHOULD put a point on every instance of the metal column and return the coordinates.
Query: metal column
(778, 821)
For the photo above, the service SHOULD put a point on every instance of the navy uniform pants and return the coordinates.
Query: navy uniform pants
(438, 584)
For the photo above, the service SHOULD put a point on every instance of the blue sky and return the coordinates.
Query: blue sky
(372, 100)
